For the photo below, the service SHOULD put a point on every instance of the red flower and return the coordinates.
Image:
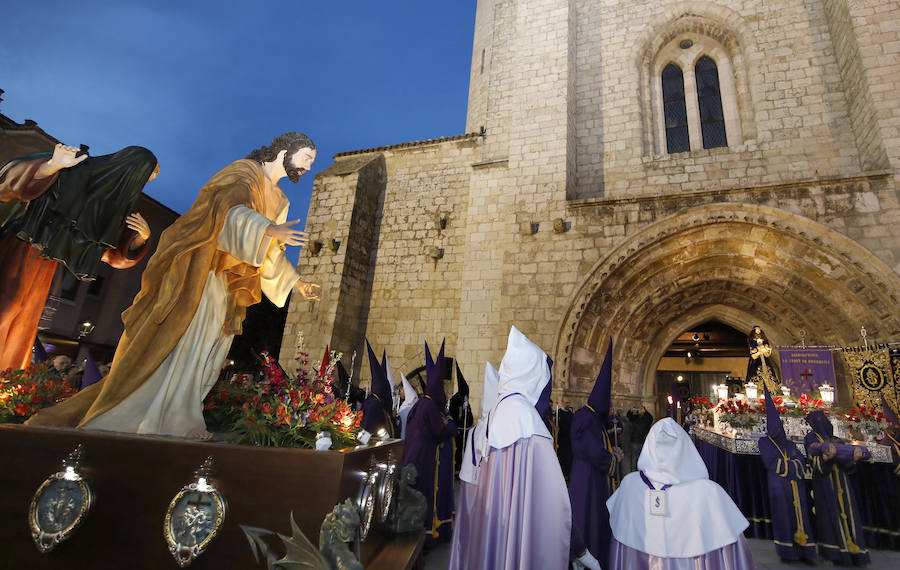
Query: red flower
(266, 408)
(210, 405)
(37, 399)
(22, 409)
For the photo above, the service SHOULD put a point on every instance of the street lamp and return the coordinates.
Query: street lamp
(85, 328)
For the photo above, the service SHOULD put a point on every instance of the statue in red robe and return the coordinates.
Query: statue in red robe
(64, 208)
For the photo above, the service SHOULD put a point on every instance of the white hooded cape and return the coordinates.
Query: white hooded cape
(700, 518)
(524, 372)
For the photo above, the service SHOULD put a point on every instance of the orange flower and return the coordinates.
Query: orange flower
(22, 409)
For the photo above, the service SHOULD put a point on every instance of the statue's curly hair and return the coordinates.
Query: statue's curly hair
(291, 142)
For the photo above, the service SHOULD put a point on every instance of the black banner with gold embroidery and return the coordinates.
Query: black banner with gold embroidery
(874, 375)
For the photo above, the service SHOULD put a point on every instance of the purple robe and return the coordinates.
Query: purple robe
(517, 516)
(838, 524)
(590, 482)
(735, 556)
(564, 442)
(377, 416)
(429, 446)
(785, 465)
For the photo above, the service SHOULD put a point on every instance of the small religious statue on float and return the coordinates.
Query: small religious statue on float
(761, 368)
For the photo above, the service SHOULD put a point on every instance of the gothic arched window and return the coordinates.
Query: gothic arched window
(677, 139)
(695, 104)
(709, 100)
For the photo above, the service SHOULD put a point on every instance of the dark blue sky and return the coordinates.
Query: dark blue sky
(201, 82)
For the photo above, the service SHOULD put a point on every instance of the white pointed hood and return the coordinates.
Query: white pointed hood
(669, 456)
(700, 517)
(523, 374)
(489, 390)
(410, 397)
(468, 471)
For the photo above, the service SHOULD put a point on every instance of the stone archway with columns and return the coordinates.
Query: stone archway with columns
(740, 264)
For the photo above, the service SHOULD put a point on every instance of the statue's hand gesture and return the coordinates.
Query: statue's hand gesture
(136, 222)
(286, 234)
(308, 290)
(63, 157)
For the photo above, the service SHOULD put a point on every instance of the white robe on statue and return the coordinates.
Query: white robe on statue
(170, 402)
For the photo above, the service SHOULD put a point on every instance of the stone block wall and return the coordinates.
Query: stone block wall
(795, 225)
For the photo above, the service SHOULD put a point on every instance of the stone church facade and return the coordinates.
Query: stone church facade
(601, 193)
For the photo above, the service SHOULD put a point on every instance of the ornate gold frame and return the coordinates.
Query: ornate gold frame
(183, 554)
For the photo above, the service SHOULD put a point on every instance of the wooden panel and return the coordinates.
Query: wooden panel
(135, 477)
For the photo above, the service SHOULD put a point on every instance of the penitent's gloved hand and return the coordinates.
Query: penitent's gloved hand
(587, 560)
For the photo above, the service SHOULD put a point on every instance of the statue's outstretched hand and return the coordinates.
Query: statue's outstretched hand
(285, 234)
(136, 222)
(63, 157)
(308, 290)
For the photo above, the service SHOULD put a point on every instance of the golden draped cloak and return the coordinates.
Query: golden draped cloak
(171, 288)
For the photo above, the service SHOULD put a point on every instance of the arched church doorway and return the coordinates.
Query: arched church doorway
(737, 264)
(700, 359)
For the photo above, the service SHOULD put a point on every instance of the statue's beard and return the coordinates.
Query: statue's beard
(293, 173)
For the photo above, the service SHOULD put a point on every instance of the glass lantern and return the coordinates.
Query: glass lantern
(722, 391)
(752, 391)
(827, 393)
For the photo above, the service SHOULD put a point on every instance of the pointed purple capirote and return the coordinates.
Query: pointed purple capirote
(774, 425)
(378, 406)
(40, 354)
(593, 465)
(429, 446)
(600, 396)
(434, 382)
(91, 372)
(789, 502)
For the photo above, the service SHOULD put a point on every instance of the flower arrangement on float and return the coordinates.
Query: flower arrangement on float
(869, 421)
(739, 413)
(25, 391)
(282, 410)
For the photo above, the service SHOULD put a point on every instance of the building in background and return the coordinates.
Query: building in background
(637, 170)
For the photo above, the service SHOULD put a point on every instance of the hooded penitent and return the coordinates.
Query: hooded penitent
(410, 397)
(669, 463)
(523, 373)
(379, 405)
(462, 414)
(516, 514)
(91, 372)
(475, 441)
(785, 466)
(40, 354)
(838, 524)
(593, 465)
(429, 446)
